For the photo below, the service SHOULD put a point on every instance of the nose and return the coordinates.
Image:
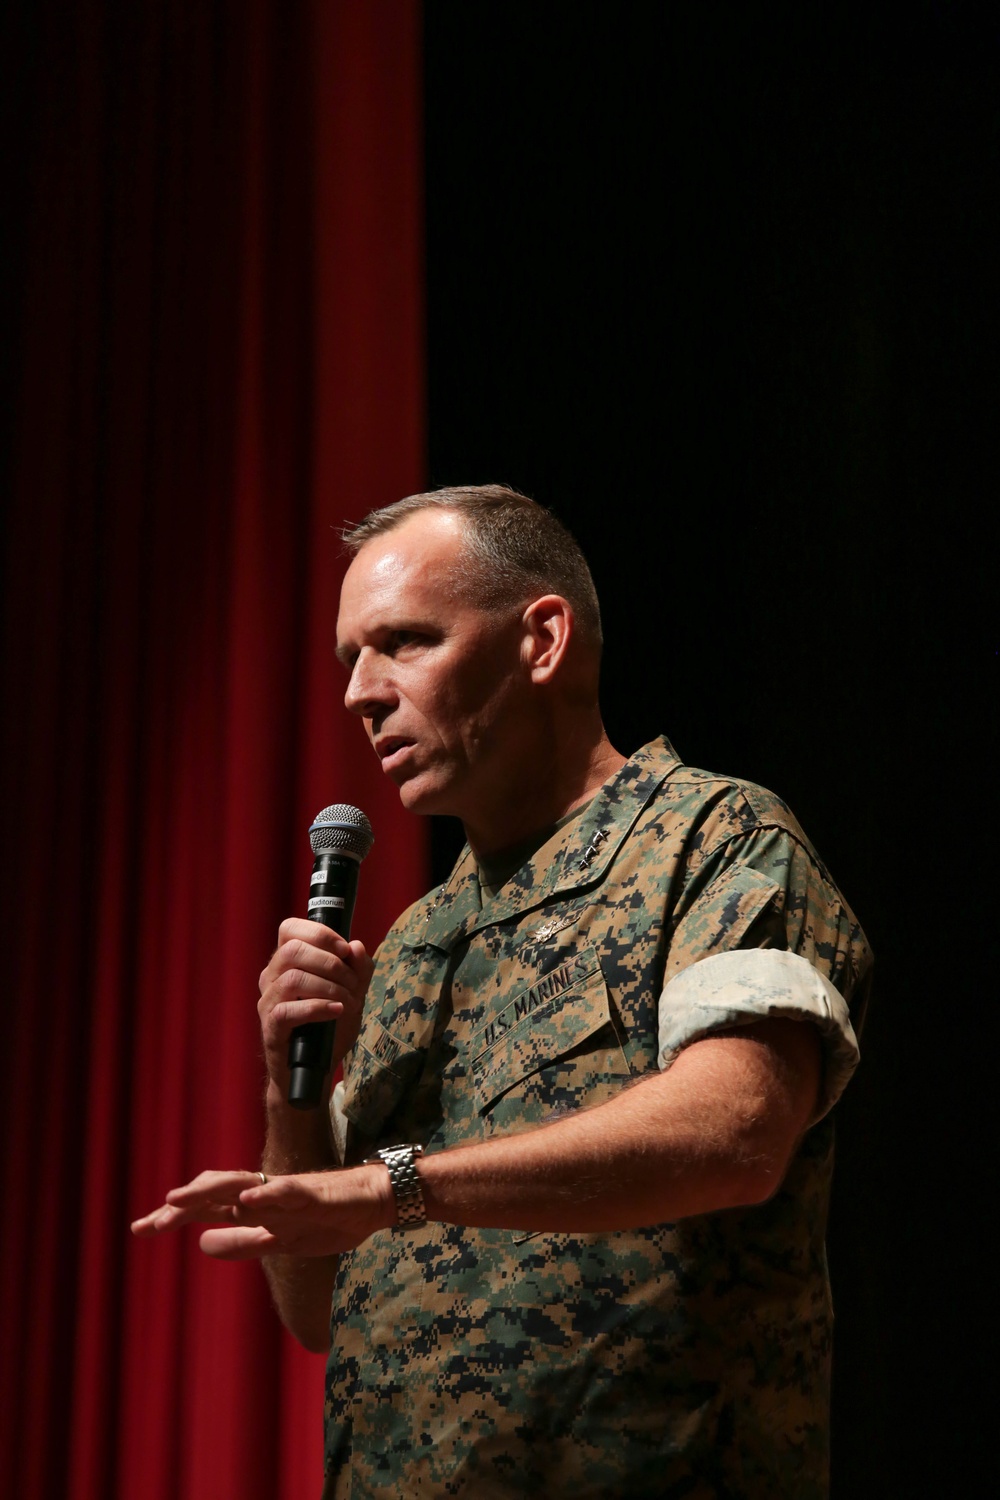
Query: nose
(369, 689)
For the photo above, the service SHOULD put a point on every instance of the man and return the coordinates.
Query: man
(616, 1032)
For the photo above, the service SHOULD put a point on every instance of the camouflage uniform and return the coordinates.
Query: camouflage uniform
(685, 1359)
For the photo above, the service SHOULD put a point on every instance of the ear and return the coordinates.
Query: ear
(548, 626)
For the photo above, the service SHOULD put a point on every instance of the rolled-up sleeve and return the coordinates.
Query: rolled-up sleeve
(746, 985)
(338, 1121)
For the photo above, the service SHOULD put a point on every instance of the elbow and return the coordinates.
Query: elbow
(763, 1148)
(757, 1168)
(316, 1345)
(308, 1326)
(760, 1185)
(760, 1177)
(314, 1339)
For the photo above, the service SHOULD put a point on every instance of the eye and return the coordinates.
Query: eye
(404, 638)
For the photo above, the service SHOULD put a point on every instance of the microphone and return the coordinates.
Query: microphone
(340, 836)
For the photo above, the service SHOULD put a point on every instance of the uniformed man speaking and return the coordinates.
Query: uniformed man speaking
(606, 1050)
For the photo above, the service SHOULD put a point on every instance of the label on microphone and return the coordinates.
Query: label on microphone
(332, 891)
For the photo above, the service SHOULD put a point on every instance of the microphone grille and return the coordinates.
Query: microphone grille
(343, 829)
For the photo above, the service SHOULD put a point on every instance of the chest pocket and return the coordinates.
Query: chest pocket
(552, 1048)
(383, 1068)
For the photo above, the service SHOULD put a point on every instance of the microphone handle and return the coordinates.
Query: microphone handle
(333, 891)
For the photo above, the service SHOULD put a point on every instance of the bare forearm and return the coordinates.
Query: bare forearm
(660, 1151)
(297, 1140)
(301, 1287)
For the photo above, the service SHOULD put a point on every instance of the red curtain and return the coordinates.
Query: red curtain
(217, 358)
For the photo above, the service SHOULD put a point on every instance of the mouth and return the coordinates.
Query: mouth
(392, 750)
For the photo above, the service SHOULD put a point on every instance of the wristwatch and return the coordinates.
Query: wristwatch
(410, 1207)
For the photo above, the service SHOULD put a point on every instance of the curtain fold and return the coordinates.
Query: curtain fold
(217, 360)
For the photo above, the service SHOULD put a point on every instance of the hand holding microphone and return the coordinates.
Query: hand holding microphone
(340, 837)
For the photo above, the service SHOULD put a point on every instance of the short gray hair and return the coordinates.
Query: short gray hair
(515, 545)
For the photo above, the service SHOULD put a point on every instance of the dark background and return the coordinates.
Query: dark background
(717, 284)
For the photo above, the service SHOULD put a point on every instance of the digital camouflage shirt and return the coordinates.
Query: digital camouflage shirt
(684, 1359)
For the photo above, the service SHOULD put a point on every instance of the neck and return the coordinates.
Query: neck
(563, 773)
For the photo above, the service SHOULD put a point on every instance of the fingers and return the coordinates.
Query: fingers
(313, 949)
(211, 1189)
(313, 975)
(157, 1222)
(211, 1197)
(304, 1214)
(235, 1204)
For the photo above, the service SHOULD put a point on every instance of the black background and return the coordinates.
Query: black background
(717, 284)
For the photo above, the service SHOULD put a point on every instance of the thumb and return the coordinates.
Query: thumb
(238, 1243)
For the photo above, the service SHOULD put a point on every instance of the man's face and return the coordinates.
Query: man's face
(436, 680)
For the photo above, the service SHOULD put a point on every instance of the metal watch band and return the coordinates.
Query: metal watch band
(410, 1208)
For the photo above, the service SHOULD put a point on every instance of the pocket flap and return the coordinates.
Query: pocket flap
(378, 1076)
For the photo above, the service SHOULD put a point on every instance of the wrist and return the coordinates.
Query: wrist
(383, 1198)
(404, 1185)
